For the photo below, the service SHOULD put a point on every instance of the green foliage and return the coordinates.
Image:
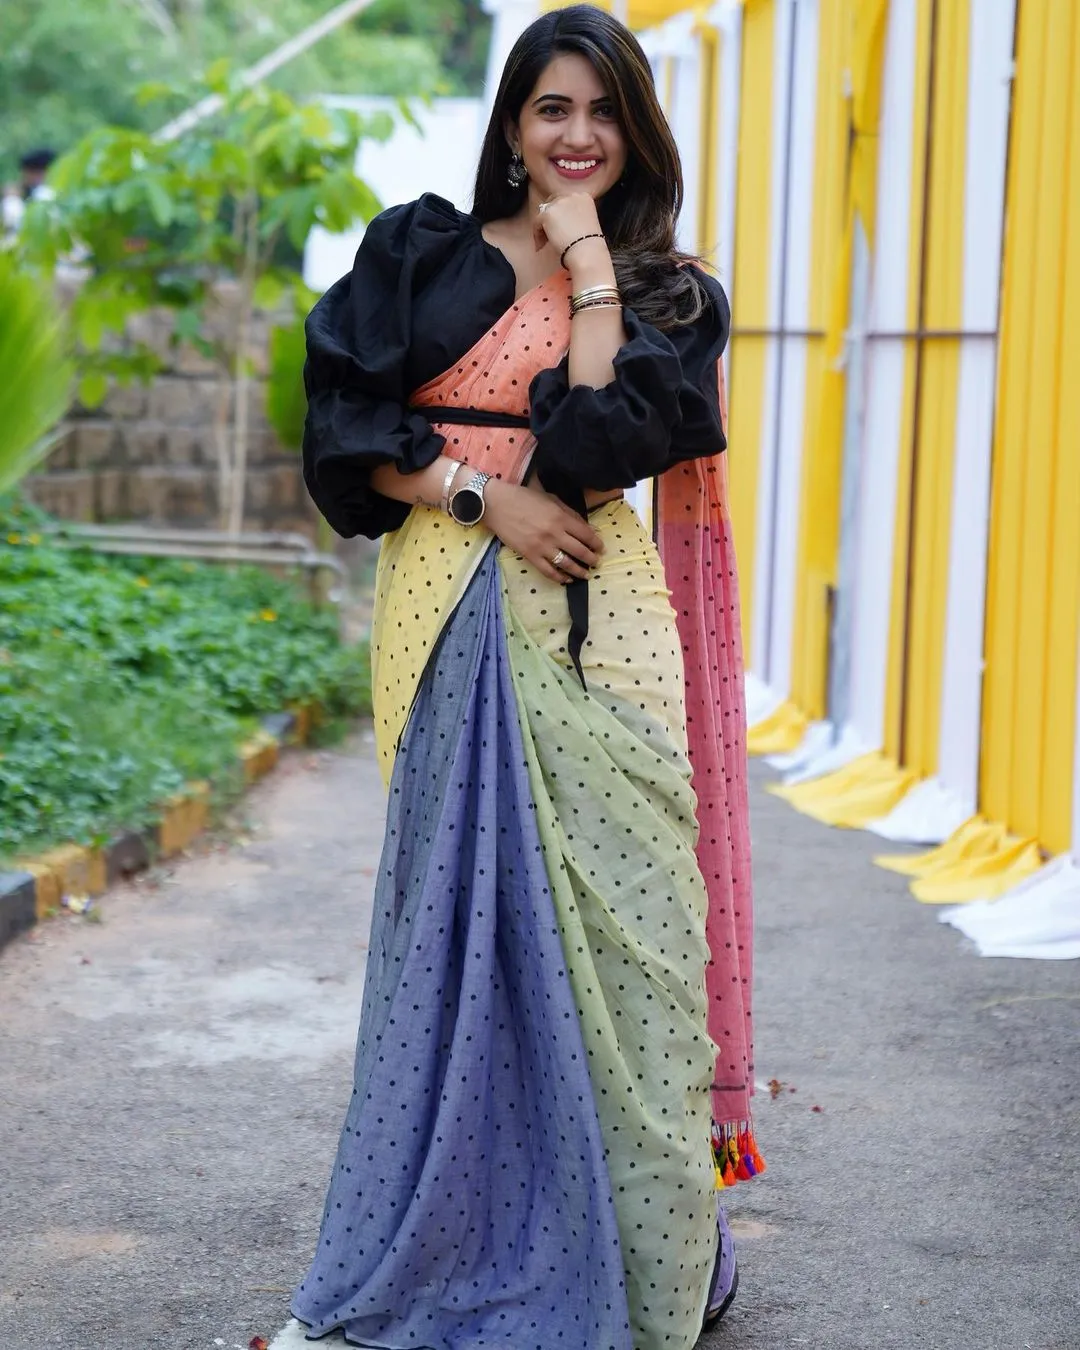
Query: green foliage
(122, 678)
(36, 372)
(160, 223)
(286, 402)
(459, 29)
(67, 68)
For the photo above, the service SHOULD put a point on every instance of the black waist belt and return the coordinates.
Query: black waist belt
(469, 417)
(577, 589)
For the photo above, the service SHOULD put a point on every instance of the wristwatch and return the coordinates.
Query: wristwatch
(467, 504)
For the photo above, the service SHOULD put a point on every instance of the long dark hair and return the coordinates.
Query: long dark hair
(638, 215)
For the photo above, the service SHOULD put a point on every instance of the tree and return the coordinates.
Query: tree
(161, 225)
(66, 68)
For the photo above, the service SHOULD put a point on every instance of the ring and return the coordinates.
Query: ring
(557, 559)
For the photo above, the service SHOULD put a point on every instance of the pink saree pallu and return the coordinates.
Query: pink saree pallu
(553, 1062)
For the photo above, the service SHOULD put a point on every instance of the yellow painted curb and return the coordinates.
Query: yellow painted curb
(184, 819)
(306, 716)
(71, 869)
(259, 755)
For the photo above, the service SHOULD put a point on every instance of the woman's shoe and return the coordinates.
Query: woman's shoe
(725, 1280)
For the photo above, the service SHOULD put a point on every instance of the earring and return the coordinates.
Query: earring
(516, 172)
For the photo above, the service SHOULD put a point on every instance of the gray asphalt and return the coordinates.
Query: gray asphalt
(173, 1078)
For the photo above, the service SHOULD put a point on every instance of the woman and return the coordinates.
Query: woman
(528, 1158)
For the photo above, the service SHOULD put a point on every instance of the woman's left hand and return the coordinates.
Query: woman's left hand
(563, 219)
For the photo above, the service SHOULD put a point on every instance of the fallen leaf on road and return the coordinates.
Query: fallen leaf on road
(818, 1109)
(775, 1088)
(257, 1343)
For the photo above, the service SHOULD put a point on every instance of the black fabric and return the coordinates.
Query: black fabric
(663, 405)
(424, 288)
(469, 417)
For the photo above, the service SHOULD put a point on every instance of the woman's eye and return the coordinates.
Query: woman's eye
(605, 110)
(550, 108)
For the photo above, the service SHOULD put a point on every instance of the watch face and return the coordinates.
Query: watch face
(467, 506)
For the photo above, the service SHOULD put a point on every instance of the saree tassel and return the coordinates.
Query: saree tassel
(736, 1156)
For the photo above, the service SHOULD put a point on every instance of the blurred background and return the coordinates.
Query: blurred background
(890, 192)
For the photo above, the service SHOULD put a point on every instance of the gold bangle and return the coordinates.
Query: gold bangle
(595, 293)
(596, 304)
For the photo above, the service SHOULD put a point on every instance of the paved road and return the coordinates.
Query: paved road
(172, 1083)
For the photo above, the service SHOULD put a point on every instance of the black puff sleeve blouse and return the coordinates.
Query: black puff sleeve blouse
(424, 288)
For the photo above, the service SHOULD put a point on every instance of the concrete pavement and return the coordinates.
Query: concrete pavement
(172, 1082)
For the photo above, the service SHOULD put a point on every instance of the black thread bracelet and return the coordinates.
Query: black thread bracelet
(570, 245)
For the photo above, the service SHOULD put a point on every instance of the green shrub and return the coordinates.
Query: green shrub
(122, 678)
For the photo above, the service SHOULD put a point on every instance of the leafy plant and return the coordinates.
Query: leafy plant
(66, 68)
(162, 224)
(122, 678)
(36, 373)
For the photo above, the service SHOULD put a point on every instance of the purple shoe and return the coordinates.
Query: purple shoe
(725, 1280)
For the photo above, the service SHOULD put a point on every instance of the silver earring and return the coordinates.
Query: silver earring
(516, 172)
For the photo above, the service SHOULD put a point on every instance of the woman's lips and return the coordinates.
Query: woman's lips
(576, 168)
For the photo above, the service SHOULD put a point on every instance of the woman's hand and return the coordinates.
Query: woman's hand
(539, 526)
(561, 220)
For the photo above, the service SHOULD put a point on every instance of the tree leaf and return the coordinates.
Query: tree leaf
(159, 202)
(92, 389)
(269, 290)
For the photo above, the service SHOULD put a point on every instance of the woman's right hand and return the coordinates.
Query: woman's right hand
(538, 525)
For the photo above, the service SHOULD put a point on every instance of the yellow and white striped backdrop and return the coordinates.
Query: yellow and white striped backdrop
(904, 379)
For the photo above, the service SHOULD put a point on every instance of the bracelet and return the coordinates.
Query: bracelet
(605, 292)
(593, 294)
(451, 474)
(596, 304)
(562, 256)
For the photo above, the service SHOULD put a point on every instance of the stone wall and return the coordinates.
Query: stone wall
(147, 454)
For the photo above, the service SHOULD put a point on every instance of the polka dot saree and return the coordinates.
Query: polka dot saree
(528, 1159)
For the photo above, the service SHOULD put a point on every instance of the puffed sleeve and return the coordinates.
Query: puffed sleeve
(663, 405)
(358, 338)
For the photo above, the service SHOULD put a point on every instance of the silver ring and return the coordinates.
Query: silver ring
(557, 559)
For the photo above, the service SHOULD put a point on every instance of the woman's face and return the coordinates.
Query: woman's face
(569, 135)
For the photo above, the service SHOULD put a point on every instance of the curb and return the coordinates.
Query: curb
(37, 889)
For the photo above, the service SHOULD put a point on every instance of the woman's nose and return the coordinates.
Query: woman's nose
(578, 131)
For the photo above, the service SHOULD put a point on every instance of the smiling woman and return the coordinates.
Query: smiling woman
(556, 1026)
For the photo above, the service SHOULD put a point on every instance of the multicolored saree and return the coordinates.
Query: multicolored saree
(559, 961)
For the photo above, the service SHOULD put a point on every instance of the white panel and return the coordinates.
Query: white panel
(442, 159)
(792, 411)
(989, 65)
(1037, 920)
(685, 118)
(763, 561)
(729, 21)
(885, 383)
(510, 18)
